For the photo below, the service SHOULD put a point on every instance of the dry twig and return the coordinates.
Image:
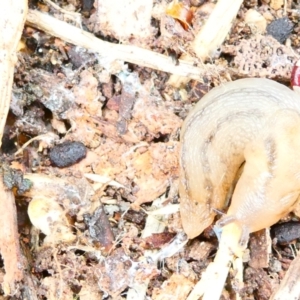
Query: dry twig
(128, 53)
(212, 35)
(12, 19)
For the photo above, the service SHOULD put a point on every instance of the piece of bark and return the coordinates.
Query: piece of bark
(130, 87)
(12, 18)
(9, 241)
(100, 229)
(260, 248)
(157, 240)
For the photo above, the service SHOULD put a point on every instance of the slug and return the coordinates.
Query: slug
(251, 120)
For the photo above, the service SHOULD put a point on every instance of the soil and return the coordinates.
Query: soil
(102, 138)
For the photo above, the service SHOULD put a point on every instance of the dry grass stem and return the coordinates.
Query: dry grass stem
(128, 53)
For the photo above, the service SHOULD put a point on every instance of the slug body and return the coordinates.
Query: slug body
(255, 121)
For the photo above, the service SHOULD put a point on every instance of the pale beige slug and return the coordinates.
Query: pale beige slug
(252, 120)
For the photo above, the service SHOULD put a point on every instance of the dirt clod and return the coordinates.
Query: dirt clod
(118, 119)
(67, 154)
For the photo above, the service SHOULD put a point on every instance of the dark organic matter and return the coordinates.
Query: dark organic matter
(67, 154)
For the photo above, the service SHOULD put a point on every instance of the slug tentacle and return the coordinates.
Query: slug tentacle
(222, 131)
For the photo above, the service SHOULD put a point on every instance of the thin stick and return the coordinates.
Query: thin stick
(128, 53)
(69, 14)
(216, 28)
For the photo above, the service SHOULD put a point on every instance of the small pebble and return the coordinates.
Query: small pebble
(67, 154)
(280, 29)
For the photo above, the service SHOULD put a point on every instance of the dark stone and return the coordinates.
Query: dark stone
(280, 29)
(286, 232)
(67, 154)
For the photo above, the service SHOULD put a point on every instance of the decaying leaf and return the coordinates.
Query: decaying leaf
(180, 12)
